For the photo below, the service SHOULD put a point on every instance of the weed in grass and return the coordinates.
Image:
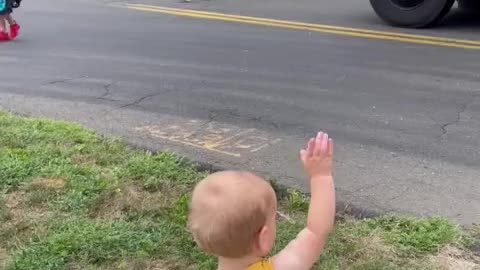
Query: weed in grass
(107, 152)
(297, 202)
(179, 210)
(16, 165)
(158, 171)
(78, 202)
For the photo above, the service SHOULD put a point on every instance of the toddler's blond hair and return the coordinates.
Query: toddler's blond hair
(228, 210)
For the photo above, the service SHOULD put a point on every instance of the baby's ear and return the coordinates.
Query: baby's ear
(265, 240)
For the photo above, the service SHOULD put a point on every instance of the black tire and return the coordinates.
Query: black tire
(416, 14)
(469, 5)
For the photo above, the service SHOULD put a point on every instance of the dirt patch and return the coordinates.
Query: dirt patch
(372, 246)
(157, 265)
(21, 221)
(48, 183)
(13, 202)
(452, 258)
(132, 198)
(4, 211)
(19, 211)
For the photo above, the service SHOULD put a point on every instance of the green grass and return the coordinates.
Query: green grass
(415, 236)
(92, 242)
(81, 201)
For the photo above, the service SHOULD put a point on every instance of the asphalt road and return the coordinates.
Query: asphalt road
(406, 116)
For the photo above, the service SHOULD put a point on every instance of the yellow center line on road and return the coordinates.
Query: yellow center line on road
(296, 23)
(338, 30)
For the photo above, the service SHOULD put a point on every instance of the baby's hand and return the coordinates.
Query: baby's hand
(317, 158)
(304, 251)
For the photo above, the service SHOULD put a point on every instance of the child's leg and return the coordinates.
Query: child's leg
(14, 27)
(3, 25)
(10, 20)
(3, 29)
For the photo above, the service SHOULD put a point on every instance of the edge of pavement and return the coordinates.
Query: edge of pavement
(362, 191)
(343, 206)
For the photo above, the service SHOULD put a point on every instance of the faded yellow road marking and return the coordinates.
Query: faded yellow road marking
(212, 136)
(338, 30)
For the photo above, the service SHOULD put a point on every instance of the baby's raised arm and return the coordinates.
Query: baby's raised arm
(304, 251)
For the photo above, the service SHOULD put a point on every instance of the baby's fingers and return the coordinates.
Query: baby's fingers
(310, 147)
(318, 142)
(324, 144)
(303, 155)
(330, 147)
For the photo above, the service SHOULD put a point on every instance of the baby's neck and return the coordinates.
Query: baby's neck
(237, 264)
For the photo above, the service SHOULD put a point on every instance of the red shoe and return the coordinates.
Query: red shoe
(4, 36)
(14, 30)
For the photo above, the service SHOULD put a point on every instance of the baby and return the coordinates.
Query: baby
(233, 215)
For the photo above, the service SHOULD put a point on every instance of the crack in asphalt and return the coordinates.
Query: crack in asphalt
(139, 100)
(136, 102)
(64, 80)
(107, 88)
(463, 108)
(446, 125)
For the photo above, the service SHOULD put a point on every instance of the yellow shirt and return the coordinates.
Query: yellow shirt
(261, 265)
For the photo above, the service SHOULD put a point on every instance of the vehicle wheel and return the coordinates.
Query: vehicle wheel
(412, 13)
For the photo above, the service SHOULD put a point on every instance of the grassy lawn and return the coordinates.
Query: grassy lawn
(70, 199)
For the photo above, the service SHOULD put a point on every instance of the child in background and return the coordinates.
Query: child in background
(233, 215)
(6, 9)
